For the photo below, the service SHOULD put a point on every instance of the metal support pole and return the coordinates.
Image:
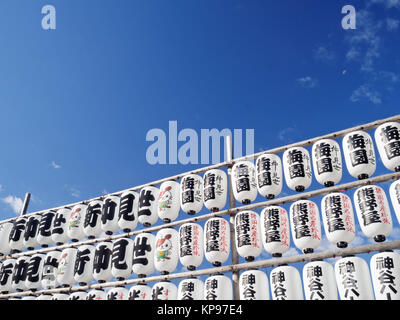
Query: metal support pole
(232, 204)
(26, 203)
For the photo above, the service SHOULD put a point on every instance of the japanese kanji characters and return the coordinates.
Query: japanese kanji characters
(109, 214)
(128, 211)
(118, 293)
(148, 206)
(143, 254)
(78, 295)
(253, 285)
(269, 175)
(319, 281)
(96, 294)
(102, 261)
(191, 193)
(285, 283)
(83, 269)
(19, 273)
(34, 271)
(59, 233)
(6, 273)
(387, 138)
(168, 201)
(218, 287)
(327, 162)
(248, 235)
(297, 168)
(140, 292)
(31, 232)
(191, 245)
(122, 257)
(394, 192)
(385, 273)
(190, 289)
(49, 272)
(215, 189)
(92, 219)
(16, 237)
(359, 154)
(216, 241)
(164, 290)
(244, 182)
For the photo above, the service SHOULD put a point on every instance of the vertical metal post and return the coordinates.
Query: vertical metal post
(26, 203)
(232, 204)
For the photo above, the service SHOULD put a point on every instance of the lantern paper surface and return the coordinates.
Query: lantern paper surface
(218, 287)
(29, 298)
(109, 214)
(122, 257)
(327, 162)
(319, 281)
(128, 211)
(92, 219)
(60, 296)
(394, 191)
(78, 295)
(286, 284)
(248, 234)
(44, 234)
(76, 221)
(269, 175)
(297, 168)
(166, 251)
(387, 138)
(216, 240)
(96, 294)
(50, 266)
(253, 285)
(143, 254)
(44, 297)
(359, 154)
(6, 271)
(140, 292)
(148, 206)
(102, 261)
(31, 232)
(5, 231)
(353, 279)
(66, 266)
(168, 201)
(385, 273)
(16, 238)
(59, 233)
(117, 293)
(338, 218)
(373, 212)
(19, 273)
(191, 193)
(164, 291)
(83, 269)
(244, 182)
(215, 189)
(35, 271)
(275, 232)
(191, 245)
(305, 225)
(190, 289)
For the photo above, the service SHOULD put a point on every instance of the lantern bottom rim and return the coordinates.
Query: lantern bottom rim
(362, 176)
(342, 244)
(379, 238)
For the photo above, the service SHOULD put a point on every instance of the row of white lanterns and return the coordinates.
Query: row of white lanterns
(350, 277)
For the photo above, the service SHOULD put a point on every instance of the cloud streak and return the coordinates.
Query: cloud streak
(14, 202)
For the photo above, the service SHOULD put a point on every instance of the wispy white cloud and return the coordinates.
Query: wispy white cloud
(104, 192)
(14, 202)
(1, 188)
(392, 24)
(55, 165)
(366, 91)
(285, 134)
(307, 82)
(387, 3)
(324, 54)
(74, 192)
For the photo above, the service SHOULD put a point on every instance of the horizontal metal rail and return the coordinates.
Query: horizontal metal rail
(231, 211)
(383, 246)
(303, 143)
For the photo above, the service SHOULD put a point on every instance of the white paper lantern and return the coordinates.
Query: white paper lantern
(148, 206)
(359, 154)
(44, 233)
(353, 279)
(190, 289)
(216, 241)
(59, 233)
(394, 192)
(248, 235)
(78, 295)
(319, 281)
(244, 182)
(83, 269)
(385, 273)
(275, 232)
(122, 257)
(5, 230)
(253, 285)
(297, 168)
(191, 245)
(35, 271)
(166, 250)
(6, 271)
(31, 231)
(338, 218)
(44, 297)
(66, 266)
(28, 298)
(285, 283)
(50, 266)
(128, 211)
(191, 193)
(387, 138)
(143, 254)
(218, 287)
(269, 175)
(215, 189)
(305, 225)
(19, 273)
(164, 290)
(76, 221)
(16, 238)
(60, 296)
(96, 294)
(168, 201)
(117, 293)
(373, 212)
(92, 219)
(102, 262)
(327, 162)
(109, 215)
(140, 292)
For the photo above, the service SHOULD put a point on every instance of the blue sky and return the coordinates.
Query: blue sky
(77, 102)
